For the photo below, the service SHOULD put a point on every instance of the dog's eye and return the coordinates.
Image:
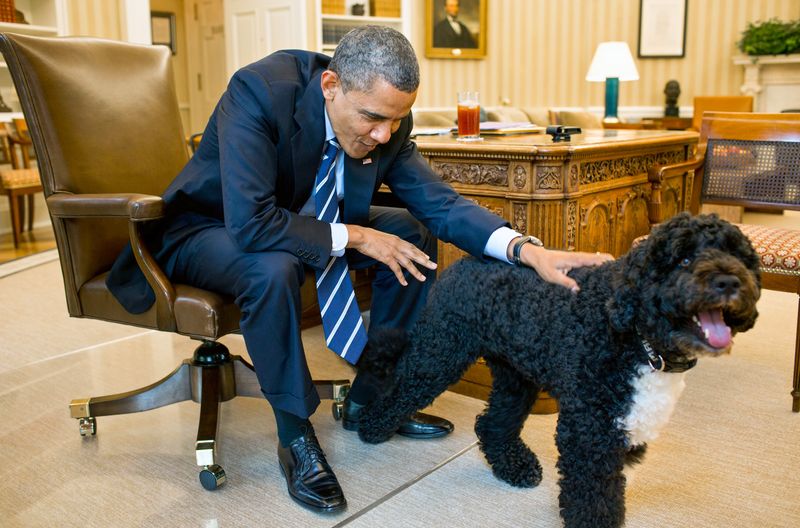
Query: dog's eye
(685, 263)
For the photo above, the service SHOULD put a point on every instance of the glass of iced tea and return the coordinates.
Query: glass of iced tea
(469, 109)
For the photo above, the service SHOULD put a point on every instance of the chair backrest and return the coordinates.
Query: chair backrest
(579, 118)
(18, 136)
(751, 159)
(719, 103)
(104, 118)
(538, 115)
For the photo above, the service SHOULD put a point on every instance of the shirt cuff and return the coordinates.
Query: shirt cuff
(340, 238)
(497, 245)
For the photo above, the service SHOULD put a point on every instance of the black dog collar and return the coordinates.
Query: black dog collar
(659, 363)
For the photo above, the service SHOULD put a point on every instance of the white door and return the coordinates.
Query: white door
(205, 32)
(256, 28)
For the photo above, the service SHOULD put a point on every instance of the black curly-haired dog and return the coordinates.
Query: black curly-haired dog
(613, 355)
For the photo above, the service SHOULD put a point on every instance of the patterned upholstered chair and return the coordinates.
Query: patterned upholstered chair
(752, 160)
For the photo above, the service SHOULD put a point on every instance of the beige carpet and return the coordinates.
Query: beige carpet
(729, 458)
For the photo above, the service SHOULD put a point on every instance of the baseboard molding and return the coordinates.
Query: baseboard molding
(23, 263)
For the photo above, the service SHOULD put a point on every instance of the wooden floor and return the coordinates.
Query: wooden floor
(40, 239)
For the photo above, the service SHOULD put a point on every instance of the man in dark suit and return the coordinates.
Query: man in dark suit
(243, 219)
(450, 32)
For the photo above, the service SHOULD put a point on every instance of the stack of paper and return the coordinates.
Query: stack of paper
(510, 127)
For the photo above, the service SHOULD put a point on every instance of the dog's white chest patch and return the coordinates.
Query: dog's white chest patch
(654, 398)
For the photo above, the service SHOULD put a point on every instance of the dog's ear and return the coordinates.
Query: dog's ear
(645, 266)
(623, 306)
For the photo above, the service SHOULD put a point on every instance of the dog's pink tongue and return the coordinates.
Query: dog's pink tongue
(717, 332)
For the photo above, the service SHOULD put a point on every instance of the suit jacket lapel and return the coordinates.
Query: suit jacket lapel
(360, 176)
(307, 141)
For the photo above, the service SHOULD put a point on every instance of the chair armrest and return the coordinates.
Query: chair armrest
(657, 173)
(138, 209)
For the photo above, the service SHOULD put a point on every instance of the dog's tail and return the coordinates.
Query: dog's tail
(384, 349)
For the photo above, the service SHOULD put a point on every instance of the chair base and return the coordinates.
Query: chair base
(211, 377)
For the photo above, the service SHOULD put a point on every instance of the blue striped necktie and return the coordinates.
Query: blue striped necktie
(341, 318)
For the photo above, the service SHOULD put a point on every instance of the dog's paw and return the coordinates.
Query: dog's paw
(516, 464)
(376, 424)
(371, 435)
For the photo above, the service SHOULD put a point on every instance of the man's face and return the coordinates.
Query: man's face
(363, 120)
(451, 7)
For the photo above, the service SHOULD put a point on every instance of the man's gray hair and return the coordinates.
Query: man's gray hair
(368, 53)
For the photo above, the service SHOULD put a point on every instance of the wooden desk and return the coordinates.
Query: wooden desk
(591, 194)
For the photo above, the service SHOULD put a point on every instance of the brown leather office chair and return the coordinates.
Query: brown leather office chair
(749, 159)
(107, 131)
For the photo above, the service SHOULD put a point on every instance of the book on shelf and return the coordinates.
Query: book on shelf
(332, 7)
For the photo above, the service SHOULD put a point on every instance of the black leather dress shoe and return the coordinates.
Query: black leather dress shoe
(309, 478)
(419, 425)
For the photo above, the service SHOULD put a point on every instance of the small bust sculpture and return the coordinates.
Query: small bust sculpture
(672, 90)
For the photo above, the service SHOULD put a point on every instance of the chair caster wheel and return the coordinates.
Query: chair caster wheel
(337, 409)
(87, 426)
(212, 477)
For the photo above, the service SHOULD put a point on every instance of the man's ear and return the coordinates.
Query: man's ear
(330, 84)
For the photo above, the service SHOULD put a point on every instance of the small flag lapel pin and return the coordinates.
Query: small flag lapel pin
(366, 161)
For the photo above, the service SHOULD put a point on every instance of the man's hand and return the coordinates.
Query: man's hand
(553, 265)
(389, 249)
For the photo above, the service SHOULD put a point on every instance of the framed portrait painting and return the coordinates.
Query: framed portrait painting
(162, 27)
(455, 29)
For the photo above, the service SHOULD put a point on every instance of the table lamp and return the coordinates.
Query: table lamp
(612, 63)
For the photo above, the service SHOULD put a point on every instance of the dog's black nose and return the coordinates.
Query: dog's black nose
(726, 284)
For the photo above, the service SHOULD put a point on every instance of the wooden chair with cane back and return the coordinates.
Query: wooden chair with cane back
(753, 160)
